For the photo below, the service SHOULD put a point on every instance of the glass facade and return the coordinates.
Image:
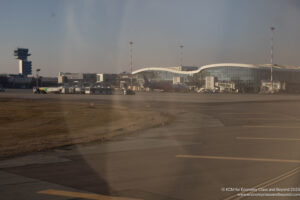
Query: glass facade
(158, 76)
(247, 79)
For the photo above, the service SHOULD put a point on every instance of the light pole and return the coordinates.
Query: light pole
(181, 54)
(271, 56)
(131, 50)
(37, 77)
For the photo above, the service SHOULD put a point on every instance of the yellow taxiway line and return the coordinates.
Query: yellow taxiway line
(90, 196)
(242, 113)
(261, 126)
(259, 138)
(238, 158)
(263, 119)
(261, 185)
(266, 183)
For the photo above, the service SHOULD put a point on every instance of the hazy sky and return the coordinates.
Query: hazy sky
(93, 36)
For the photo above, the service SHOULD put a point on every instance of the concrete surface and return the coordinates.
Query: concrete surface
(216, 145)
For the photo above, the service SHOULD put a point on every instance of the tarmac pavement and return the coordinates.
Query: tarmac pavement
(218, 147)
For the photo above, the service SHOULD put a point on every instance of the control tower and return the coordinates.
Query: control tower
(24, 65)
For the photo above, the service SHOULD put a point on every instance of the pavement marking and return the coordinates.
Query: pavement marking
(264, 119)
(243, 113)
(266, 183)
(238, 158)
(82, 195)
(258, 138)
(260, 126)
(291, 117)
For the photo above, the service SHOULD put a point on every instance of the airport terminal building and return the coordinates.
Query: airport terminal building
(164, 74)
(245, 77)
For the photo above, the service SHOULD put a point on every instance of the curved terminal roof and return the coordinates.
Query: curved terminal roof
(165, 69)
(177, 71)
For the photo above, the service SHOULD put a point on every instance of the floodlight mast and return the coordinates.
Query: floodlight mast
(131, 56)
(131, 62)
(37, 77)
(181, 54)
(271, 56)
